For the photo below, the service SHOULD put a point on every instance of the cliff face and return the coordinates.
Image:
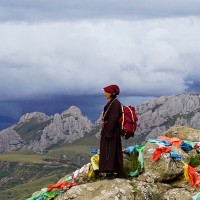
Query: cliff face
(38, 131)
(157, 116)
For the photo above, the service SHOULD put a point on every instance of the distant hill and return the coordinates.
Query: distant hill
(157, 116)
(40, 132)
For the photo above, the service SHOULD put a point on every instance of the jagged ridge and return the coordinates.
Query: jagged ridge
(39, 132)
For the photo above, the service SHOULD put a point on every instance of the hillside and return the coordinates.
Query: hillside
(23, 172)
(40, 132)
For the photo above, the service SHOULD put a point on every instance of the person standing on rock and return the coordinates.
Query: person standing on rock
(111, 158)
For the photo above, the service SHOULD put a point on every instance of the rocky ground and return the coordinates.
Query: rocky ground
(100, 190)
(158, 180)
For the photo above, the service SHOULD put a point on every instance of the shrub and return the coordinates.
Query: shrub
(130, 163)
(194, 161)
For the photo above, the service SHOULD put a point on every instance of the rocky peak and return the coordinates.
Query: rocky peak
(73, 110)
(38, 115)
(64, 128)
(156, 116)
(172, 104)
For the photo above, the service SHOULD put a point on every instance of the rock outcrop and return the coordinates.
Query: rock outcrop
(100, 190)
(165, 169)
(38, 131)
(64, 128)
(10, 140)
(183, 133)
(41, 117)
(157, 116)
(160, 180)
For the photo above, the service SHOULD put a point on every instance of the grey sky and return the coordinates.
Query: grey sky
(53, 10)
(77, 47)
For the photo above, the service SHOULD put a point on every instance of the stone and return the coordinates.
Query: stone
(165, 168)
(184, 133)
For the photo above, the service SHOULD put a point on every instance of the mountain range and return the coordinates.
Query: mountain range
(40, 132)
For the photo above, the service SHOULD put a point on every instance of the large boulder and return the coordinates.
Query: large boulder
(184, 133)
(101, 190)
(178, 193)
(10, 140)
(165, 168)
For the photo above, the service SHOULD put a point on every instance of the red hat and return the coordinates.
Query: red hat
(113, 89)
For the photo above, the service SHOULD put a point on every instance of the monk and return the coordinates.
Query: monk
(111, 158)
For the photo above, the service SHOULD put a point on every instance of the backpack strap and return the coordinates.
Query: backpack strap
(122, 115)
(131, 113)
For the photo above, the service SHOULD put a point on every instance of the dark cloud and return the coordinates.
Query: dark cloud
(149, 58)
(11, 111)
(90, 106)
(53, 10)
(192, 84)
(192, 79)
(6, 121)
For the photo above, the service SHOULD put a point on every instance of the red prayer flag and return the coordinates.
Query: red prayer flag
(60, 186)
(194, 177)
(159, 151)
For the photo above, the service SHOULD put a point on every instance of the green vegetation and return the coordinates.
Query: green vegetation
(20, 179)
(135, 187)
(23, 191)
(131, 163)
(194, 161)
(16, 173)
(22, 156)
(82, 146)
(31, 129)
(24, 172)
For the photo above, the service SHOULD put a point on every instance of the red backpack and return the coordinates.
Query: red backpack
(128, 121)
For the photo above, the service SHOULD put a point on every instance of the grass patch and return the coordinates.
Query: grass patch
(194, 161)
(23, 191)
(22, 156)
(15, 173)
(82, 146)
(135, 187)
(31, 129)
(131, 163)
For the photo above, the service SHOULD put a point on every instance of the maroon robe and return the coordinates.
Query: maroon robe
(111, 158)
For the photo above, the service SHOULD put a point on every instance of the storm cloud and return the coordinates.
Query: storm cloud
(54, 10)
(58, 49)
(148, 57)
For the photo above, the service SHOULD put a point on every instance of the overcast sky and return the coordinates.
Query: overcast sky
(76, 47)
